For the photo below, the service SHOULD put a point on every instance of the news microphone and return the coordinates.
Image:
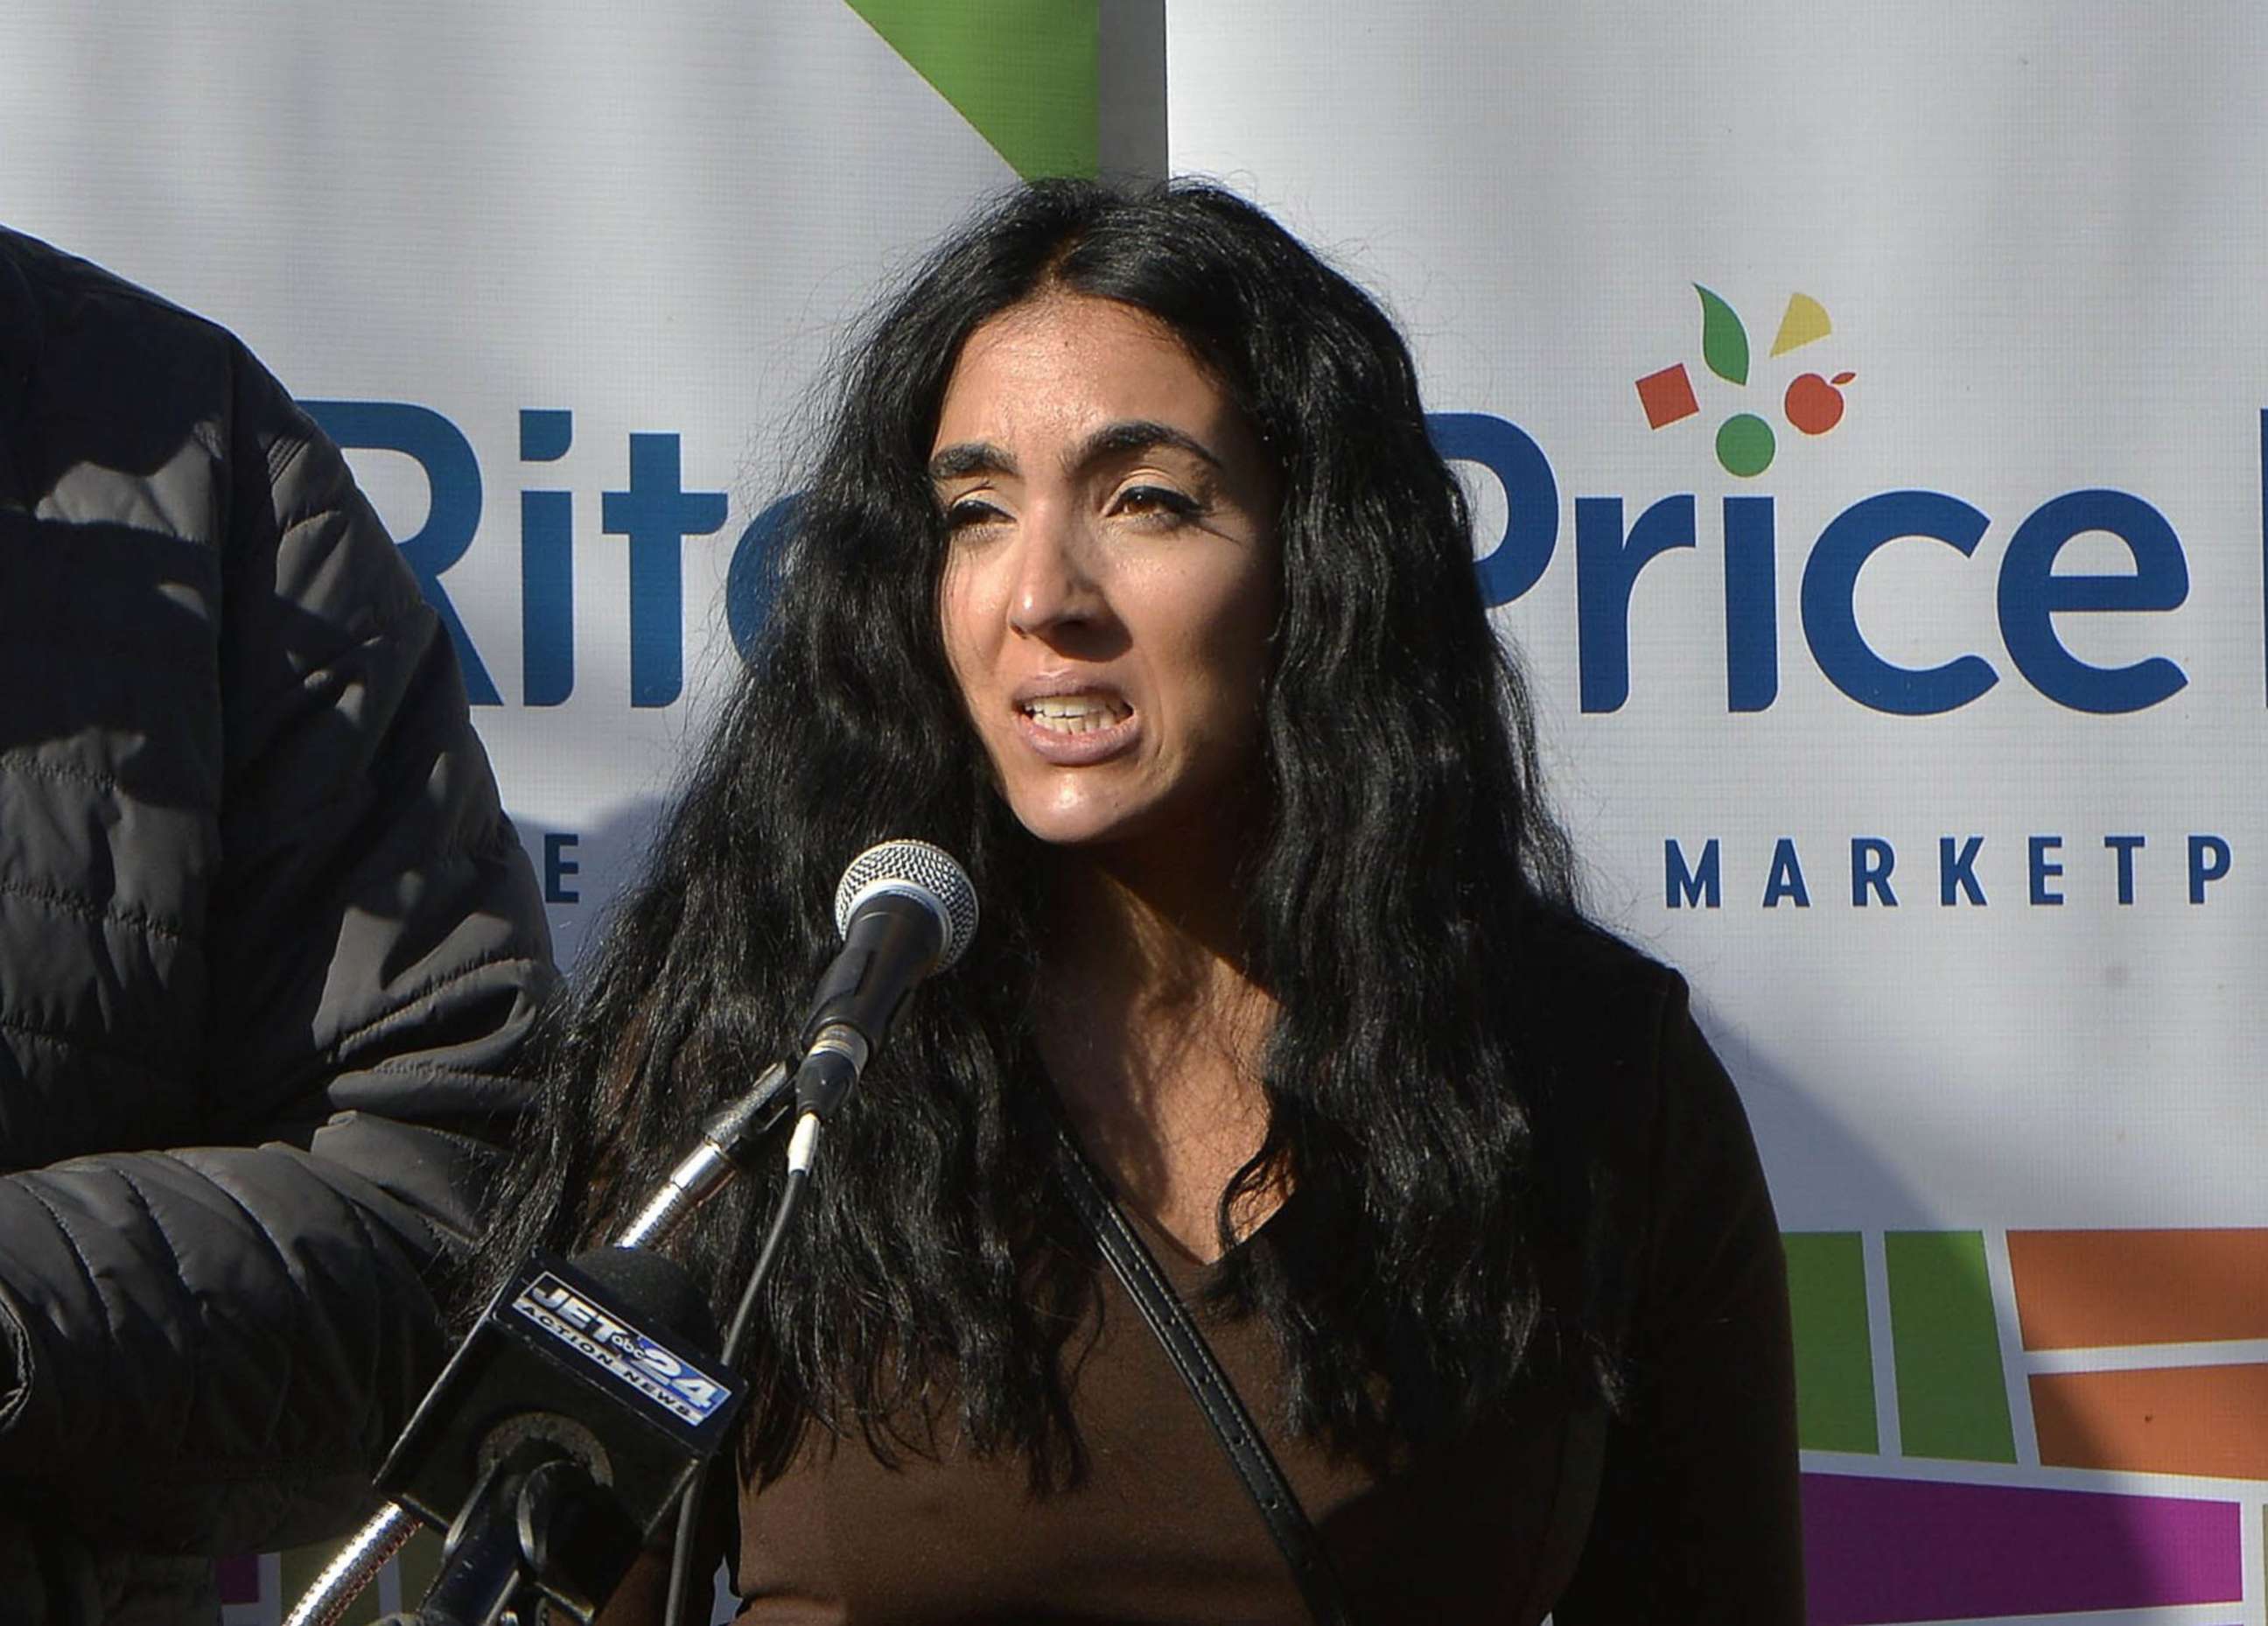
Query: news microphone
(906, 911)
(509, 1421)
(585, 1388)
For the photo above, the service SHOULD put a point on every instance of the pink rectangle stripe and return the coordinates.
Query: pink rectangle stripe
(1900, 1549)
(238, 1580)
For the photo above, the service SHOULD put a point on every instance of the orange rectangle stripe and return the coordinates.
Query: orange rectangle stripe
(2080, 1289)
(2211, 1420)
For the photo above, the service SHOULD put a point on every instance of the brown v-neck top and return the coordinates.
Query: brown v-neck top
(1682, 1509)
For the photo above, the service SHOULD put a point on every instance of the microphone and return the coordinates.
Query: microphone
(906, 911)
(584, 1402)
(563, 1430)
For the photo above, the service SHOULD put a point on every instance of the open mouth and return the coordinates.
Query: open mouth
(1076, 714)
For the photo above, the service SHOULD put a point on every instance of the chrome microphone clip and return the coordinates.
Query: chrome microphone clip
(729, 1139)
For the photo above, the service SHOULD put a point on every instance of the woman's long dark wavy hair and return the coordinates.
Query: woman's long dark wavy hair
(933, 1289)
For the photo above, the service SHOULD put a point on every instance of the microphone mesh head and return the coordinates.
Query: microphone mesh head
(918, 869)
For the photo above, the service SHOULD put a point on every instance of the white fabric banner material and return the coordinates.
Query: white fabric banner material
(1864, 412)
(559, 280)
(1870, 402)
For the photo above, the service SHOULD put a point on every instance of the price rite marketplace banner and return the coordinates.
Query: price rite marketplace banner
(1864, 410)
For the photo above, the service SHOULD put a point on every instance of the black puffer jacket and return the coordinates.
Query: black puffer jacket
(266, 941)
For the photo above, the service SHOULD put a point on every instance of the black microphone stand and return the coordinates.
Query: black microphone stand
(539, 1530)
(537, 1524)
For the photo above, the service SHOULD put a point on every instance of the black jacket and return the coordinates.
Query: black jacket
(266, 941)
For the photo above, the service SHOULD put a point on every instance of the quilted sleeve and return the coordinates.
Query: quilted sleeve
(215, 1344)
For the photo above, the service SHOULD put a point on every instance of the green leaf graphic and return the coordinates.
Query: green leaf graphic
(1724, 342)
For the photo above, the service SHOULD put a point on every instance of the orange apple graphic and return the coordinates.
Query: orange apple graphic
(1813, 404)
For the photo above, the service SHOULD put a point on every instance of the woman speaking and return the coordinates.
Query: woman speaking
(1126, 572)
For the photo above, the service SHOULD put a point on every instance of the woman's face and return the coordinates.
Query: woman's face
(1110, 575)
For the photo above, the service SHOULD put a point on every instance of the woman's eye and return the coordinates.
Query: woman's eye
(969, 510)
(1162, 501)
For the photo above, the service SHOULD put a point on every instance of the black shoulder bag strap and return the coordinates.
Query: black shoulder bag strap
(1193, 1358)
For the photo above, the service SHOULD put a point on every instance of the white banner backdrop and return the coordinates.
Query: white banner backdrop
(631, 222)
(2035, 236)
(1815, 639)
(577, 266)
(1915, 708)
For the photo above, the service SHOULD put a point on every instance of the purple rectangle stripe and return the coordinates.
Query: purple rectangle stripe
(1902, 1550)
(238, 1580)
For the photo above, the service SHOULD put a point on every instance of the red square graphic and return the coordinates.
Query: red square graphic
(1667, 397)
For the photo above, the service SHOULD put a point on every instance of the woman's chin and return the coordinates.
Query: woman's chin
(1077, 821)
(1191, 818)
(1077, 828)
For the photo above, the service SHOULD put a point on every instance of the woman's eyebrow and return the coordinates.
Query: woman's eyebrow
(965, 458)
(971, 457)
(1140, 435)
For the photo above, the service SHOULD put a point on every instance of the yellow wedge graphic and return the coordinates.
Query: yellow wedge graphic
(1806, 321)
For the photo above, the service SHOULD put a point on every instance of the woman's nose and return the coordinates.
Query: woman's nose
(1054, 586)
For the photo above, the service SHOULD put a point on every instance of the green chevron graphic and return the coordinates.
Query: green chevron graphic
(1022, 72)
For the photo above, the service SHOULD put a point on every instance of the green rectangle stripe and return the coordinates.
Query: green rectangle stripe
(1834, 1356)
(1953, 1398)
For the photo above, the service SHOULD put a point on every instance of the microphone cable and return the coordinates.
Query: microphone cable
(905, 910)
(736, 1336)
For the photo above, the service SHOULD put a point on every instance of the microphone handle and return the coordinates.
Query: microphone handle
(891, 942)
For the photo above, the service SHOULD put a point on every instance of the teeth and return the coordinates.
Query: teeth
(1074, 714)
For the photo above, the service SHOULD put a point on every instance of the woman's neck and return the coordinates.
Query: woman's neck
(1153, 1031)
